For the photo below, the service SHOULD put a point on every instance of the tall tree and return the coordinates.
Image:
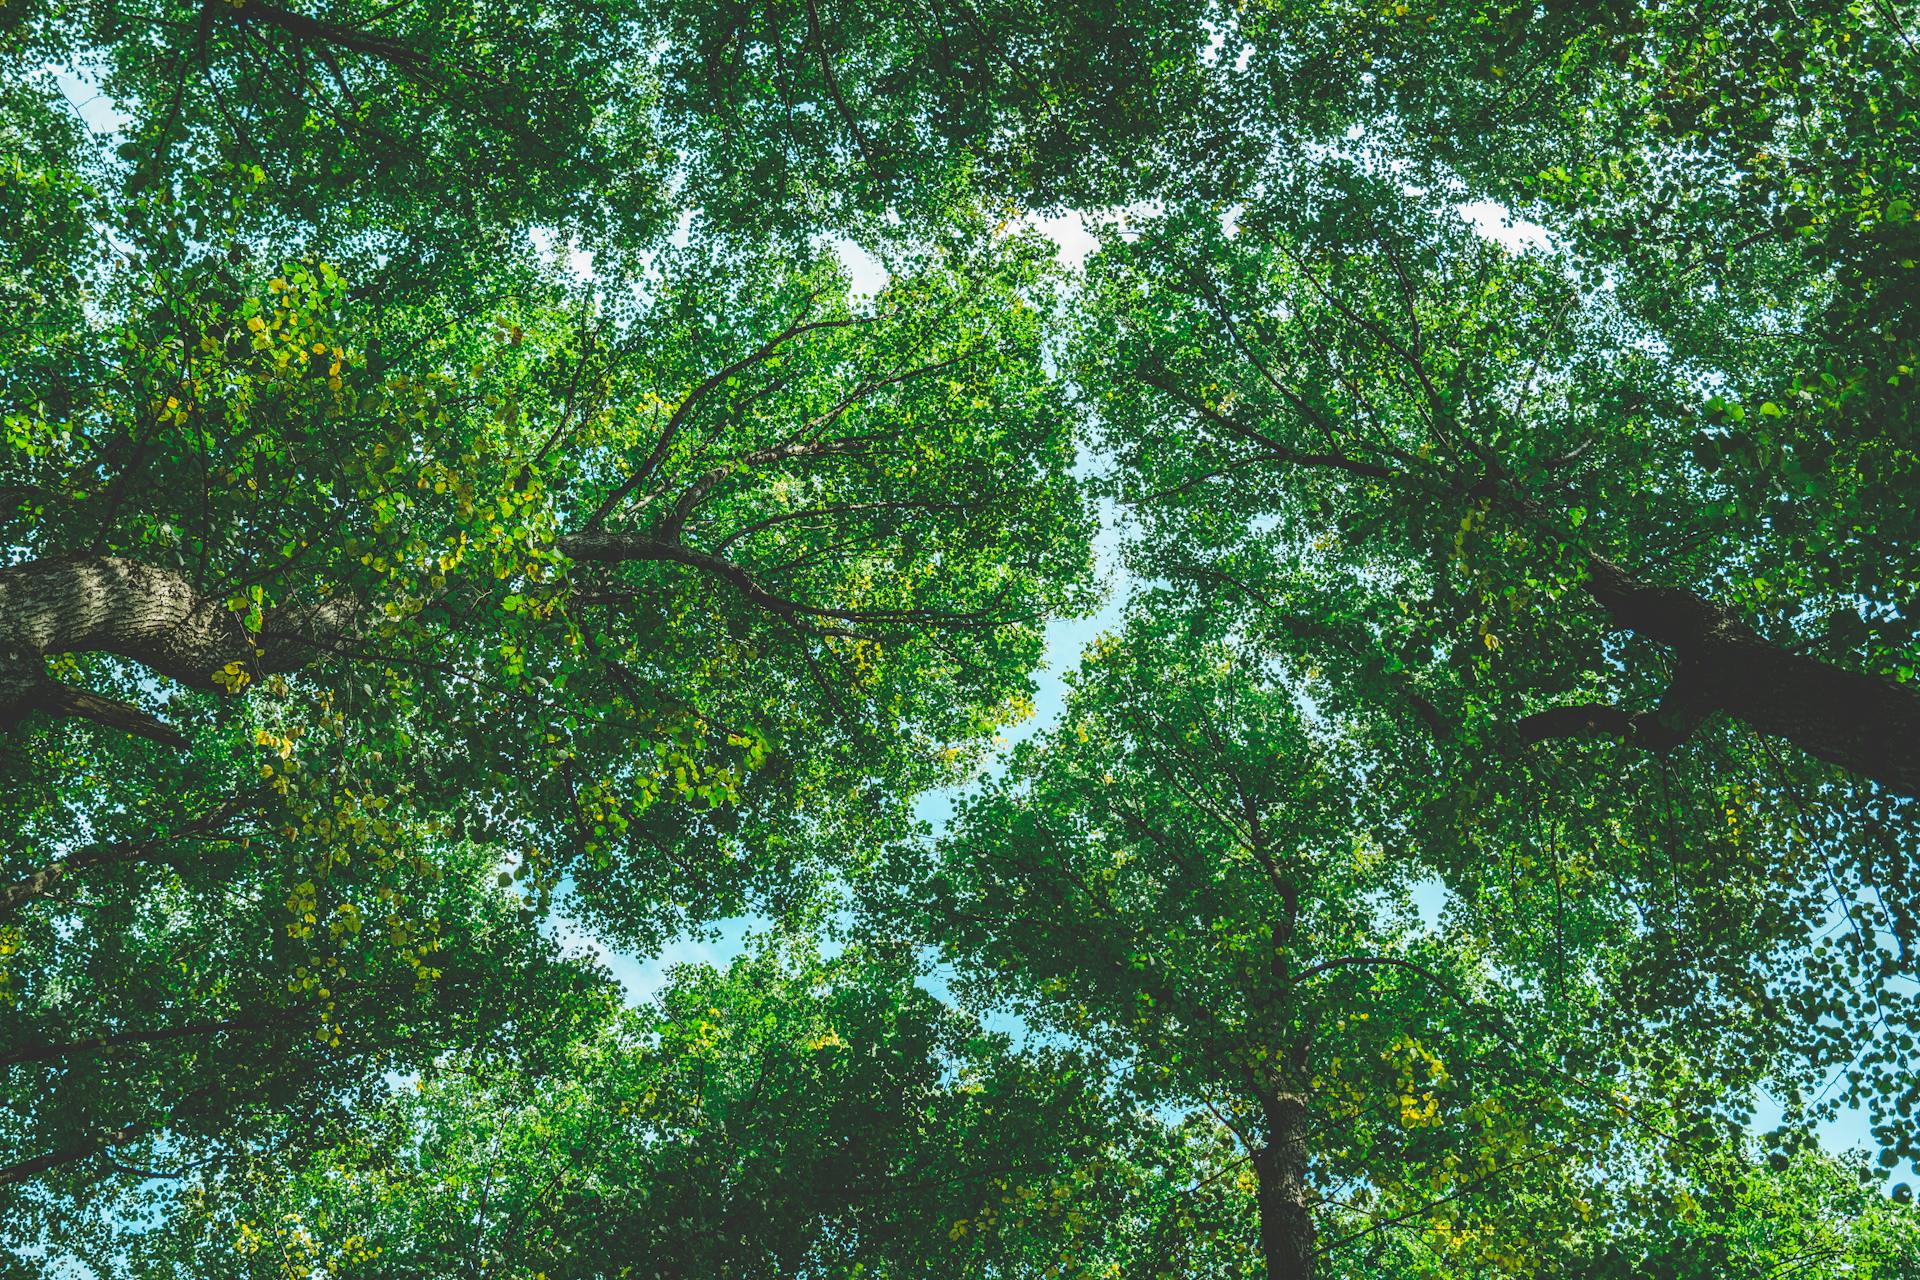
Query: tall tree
(1343, 347)
(375, 576)
(854, 515)
(1448, 483)
(1183, 874)
(669, 608)
(355, 555)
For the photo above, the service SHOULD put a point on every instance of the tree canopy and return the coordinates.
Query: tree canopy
(482, 476)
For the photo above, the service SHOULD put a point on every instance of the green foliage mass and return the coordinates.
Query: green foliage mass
(458, 499)
(786, 1115)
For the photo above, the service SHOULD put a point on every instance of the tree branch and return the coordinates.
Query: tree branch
(1278, 451)
(833, 86)
(74, 1152)
(43, 880)
(321, 33)
(625, 488)
(66, 702)
(153, 616)
(616, 548)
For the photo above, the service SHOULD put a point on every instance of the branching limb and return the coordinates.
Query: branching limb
(156, 617)
(640, 474)
(50, 875)
(1271, 447)
(65, 702)
(72, 1153)
(867, 152)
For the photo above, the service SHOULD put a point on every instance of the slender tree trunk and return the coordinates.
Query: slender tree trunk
(1280, 1168)
(1866, 724)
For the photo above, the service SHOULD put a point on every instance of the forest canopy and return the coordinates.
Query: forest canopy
(1363, 722)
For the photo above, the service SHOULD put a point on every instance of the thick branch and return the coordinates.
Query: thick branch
(1867, 724)
(107, 604)
(321, 34)
(152, 616)
(1580, 720)
(66, 702)
(1667, 615)
(72, 1153)
(1655, 731)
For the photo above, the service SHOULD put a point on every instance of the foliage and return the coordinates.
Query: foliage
(1188, 874)
(663, 600)
(785, 1115)
(454, 493)
(1480, 548)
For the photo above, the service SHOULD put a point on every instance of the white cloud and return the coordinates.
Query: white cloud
(867, 273)
(1497, 223)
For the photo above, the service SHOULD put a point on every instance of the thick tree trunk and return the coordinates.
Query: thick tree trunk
(1866, 724)
(153, 616)
(1280, 1168)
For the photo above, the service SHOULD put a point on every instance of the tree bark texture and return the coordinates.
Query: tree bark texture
(152, 616)
(1287, 1241)
(1866, 724)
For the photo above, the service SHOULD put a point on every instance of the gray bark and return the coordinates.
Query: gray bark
(152, 616)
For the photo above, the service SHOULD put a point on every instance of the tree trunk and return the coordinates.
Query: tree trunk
(1866, 724)
(1280, 1168)
(153, 616)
